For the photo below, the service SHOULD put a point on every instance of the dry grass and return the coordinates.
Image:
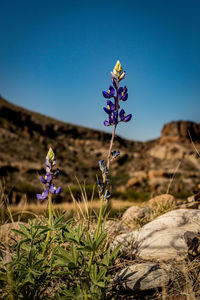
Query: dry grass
(39, 208)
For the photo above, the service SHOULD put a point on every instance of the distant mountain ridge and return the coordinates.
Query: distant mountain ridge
(25, 137)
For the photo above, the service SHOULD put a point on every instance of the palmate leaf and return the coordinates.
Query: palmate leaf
(25, 230)
(63, 255)
(115, 253)
(20, 232)
(100, 240)
(20, 244)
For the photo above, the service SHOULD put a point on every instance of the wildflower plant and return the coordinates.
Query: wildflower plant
(50, 188)
(115, 116)
(59, 258)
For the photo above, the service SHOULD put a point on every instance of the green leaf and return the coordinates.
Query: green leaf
(25, 230)
(115, 253)
(19, 245)
(19, 232)
(101, 284)
(100, 239)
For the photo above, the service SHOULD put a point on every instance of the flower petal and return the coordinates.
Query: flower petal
(58, 190)
(49, 177)
(106, 95)
(108, 111)
(52, 189)
(122, 114)
(111, 91)
(125, 97)
(43, 180)
(39, 196)
(128, 118)
(106, 123)
(111, 105)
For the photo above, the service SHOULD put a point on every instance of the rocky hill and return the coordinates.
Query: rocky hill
(142, 166)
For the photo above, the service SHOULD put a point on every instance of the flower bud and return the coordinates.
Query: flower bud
(117, 70)
(50, 156)
(122, 76)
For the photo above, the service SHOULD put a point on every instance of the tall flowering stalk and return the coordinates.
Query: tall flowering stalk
(115, 115)
(49, 188)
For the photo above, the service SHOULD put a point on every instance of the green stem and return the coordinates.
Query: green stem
(50, 224)
(97, 231)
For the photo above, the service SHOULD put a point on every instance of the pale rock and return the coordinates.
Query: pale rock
(141, 276)
(126, 240)
(135, 212)
(163, 238)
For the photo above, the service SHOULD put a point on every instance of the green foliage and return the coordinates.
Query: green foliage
(63, 271)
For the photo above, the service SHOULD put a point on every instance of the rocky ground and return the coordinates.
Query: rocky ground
(160, 249)
(170, 163)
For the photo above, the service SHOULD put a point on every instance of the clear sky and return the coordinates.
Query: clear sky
(56, 57)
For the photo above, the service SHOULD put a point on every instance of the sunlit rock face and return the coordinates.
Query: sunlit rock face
(182, 131)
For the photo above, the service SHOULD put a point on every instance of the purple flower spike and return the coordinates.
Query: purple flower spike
(51, 174)
(42, 196)
(110, 93)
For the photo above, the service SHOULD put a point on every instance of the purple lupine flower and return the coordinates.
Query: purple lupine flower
(124, 117)
(54, 190)
(110, 93)
(47, 180)
(110, 107)
(112, 119)
(123, 93)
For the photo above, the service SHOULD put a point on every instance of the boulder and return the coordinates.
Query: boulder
(163, 238)
(126, 240)
(141, 276)
(134, 213)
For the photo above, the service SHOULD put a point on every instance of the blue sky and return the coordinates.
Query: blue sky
(56, 58)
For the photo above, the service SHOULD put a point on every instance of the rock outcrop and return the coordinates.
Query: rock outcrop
(180, 131)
